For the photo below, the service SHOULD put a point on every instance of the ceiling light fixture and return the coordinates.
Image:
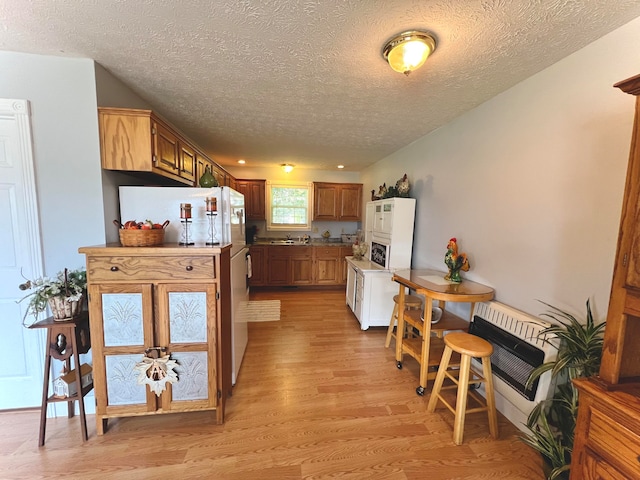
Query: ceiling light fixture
(287, 167)
(408, 51)
(340, 166)
(241, 162)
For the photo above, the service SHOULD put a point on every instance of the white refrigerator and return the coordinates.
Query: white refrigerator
(163, 203)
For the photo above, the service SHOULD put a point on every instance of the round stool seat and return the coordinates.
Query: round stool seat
(468, 344)
(410, 301)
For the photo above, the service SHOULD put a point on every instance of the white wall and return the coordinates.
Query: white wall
(64, 119)
(531, 182)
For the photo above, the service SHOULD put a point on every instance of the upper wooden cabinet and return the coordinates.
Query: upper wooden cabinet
(254, 198)
(340, 202)
(607, 433)
(140, 141)
(621, 352)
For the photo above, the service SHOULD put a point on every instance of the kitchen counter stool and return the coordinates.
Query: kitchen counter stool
(467, 346)
(410, 302)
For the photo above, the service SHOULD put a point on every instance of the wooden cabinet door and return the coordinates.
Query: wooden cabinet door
(328, 266)
(122, 327)
(351, 202)
(326, 197)
(166, 152)
(221, 175)
(186, 327)
(187, 162)
(277, 268)
(254, 198)
(301, 266)
(257, 265)
(344, 252)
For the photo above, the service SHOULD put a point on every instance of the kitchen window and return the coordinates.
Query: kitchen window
(289, 206)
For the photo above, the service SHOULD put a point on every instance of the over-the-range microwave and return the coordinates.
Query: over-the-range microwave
(379, 253)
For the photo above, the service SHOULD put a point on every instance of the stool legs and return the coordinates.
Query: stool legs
(462, 381)
(461, 399)
(392, 323)
(491, 403)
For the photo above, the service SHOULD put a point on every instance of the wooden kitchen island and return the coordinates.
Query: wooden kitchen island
(427, 350)
(153, 304)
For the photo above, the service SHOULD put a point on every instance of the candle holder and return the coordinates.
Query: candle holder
(186, 237)
(213, 236)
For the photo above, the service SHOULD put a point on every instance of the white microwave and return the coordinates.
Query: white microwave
(379, 254)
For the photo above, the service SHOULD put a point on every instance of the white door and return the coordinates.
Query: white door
(21, 350)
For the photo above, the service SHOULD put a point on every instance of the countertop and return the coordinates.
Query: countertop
(312, 243)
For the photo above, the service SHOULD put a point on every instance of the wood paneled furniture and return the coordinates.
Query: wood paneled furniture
(65, 340)
(338, 202)
(170, 300)
(254, 192)
(298, 265)
(135, 140)
(607, 436)
(427, 350)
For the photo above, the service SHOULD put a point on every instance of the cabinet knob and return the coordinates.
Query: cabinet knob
(189, 268)
(114, 269)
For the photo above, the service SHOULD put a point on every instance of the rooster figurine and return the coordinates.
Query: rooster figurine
(455, 262)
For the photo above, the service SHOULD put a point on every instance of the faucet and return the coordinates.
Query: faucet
(288, 236)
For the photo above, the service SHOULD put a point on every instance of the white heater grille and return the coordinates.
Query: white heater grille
(509, 401)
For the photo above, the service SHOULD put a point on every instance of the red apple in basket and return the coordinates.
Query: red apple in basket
(157, 226)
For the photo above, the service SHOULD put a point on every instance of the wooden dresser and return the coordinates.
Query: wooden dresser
(149, 302)
(607, 436)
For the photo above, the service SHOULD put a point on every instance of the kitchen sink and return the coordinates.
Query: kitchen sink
(287, 242)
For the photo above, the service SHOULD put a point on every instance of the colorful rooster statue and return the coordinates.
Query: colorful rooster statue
(455, 262)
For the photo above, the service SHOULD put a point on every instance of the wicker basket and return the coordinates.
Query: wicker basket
(141, 238)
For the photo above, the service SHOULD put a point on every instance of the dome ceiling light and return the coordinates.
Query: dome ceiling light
(408, 51)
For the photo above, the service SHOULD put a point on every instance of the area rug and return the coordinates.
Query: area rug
(263, 311)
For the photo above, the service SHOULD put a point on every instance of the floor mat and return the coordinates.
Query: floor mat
(263, 311)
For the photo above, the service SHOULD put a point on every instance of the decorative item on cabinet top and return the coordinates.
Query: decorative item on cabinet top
(141, 234)
(207, 180)
(64, 294)
(401, 189)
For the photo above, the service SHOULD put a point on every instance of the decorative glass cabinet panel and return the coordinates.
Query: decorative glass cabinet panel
(122, 384)
(193, 377)
(187, 317)
(122, 319)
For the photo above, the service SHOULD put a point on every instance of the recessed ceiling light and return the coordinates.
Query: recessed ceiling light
(340, 166)
(241, 162)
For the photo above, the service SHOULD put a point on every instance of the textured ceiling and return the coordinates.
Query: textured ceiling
(303, 81)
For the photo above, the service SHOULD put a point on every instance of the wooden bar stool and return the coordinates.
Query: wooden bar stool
(467, 346)
(410, 302)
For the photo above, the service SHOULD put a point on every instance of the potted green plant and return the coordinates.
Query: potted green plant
(64, 294)
(552, 422)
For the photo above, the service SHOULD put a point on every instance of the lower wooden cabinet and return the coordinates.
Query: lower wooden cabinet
(607, 435)
(152, 302)
(258, 276)
(328, 266)
(291, 265)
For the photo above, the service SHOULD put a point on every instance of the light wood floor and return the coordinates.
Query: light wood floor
(316, 398)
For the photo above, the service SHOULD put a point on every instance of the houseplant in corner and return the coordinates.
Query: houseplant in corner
(552, 422)
(64, 294)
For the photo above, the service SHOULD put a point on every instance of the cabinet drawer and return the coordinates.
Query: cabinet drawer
(118, 269)
(614, 442)
(327, 252)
